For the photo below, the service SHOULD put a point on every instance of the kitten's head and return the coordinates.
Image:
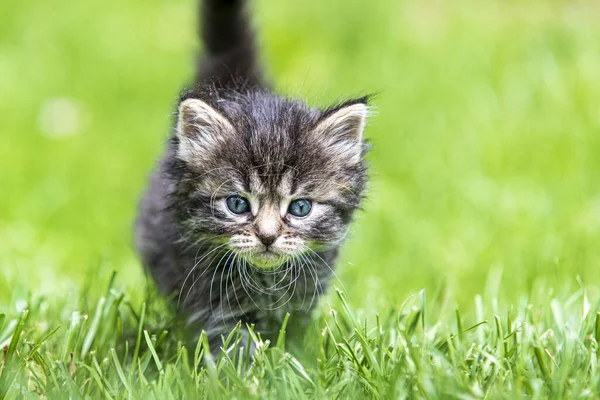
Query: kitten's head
(267, 177)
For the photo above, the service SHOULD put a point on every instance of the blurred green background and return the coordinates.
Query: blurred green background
(485, 164)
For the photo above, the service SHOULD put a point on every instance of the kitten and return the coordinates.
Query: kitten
(244, 215)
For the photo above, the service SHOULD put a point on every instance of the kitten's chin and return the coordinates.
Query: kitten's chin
(266, 260)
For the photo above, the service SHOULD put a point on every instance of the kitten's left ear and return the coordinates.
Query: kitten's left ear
(201, 130)
(342, 132)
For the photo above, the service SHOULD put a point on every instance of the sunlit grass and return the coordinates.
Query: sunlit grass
(113, 350)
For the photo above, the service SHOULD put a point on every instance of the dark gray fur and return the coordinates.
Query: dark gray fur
(178, 227)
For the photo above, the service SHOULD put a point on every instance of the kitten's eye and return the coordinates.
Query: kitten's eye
(300, 208)
(238, 205)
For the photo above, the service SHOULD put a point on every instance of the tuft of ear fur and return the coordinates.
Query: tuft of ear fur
(200, 128)
(341, 132)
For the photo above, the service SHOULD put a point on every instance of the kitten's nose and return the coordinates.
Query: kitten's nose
(267, 224)
(267, 240)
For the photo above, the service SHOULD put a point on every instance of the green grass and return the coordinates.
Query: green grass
(532, 351)
(484, 194)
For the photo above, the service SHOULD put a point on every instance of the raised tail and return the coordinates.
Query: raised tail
(229, 59)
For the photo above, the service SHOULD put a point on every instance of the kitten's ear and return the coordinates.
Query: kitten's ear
(200, 128)
(342, 131)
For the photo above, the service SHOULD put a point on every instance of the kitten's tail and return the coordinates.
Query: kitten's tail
(230, 58)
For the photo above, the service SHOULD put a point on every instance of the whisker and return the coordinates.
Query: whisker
(210, 295)
(242, 269)
(327, 265)
(303, 269)
(192, 270)
(295, 268)
(287, 287)
(310, 266)
(221, 286)
(212, 259)
(235, 265)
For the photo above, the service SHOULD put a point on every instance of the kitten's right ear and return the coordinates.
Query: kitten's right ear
(200, 128)
(341, 132)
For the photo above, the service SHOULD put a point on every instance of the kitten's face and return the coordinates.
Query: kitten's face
(271, 224)
(270, 179)
(272, 229)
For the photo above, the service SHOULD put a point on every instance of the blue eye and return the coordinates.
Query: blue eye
(300, 208)
(238, 205)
